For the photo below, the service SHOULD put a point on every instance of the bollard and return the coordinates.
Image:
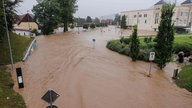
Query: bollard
(175, 74)
(19, 78)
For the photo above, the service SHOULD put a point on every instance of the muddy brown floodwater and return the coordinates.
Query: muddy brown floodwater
(87, 77)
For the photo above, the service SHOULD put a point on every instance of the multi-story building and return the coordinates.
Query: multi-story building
(149, 19)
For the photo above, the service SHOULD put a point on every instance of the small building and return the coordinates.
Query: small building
(25, 24)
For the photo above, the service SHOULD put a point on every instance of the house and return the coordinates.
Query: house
(25, 24)
(149, 19)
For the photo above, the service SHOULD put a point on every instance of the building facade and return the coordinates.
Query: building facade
(25, 25)
(149, 19)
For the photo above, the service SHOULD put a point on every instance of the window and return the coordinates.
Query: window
(157, 8)
(156, 21)
(135, 16)
(140, 15)
(157, 15)
(145, 15)
(145, 21)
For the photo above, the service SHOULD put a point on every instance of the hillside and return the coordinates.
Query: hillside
(19, 45)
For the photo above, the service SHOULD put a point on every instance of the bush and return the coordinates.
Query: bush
(98, 25)
(185, 47)
(92, 26)
(71, 26)
(116, 45)
(85, 26)
(185, 78)
(147, 39)
(125, 40)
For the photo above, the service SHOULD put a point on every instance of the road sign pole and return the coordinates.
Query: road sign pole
(50, 98)
(149, 69)
(151, 58)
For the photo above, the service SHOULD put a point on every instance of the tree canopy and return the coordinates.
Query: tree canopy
(68, 8)
(123, 22)
(165, 36)
(10, 11)
(89, 19)
(134, 45)
(50, 13)
(46, 13)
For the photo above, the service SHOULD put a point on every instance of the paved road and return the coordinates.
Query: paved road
(87, 77)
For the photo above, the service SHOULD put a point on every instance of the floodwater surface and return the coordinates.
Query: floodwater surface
(91, 76)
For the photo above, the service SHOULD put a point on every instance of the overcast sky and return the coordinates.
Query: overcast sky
(98, 8)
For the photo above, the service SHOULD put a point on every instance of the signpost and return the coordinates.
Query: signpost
(94, 40)
(50, 97)
(151, 58)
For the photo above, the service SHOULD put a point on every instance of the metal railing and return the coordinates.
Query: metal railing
(30, 49)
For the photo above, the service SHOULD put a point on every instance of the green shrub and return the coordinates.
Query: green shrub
(71, 26)
(125, 40)
(148, 39)
(144, 54)
(85, 26)
(92, 26)
(185, 78)
(185, 47)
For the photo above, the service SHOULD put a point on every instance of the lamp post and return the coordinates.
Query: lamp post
(8, 34)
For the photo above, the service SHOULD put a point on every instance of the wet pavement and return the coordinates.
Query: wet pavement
(94, 77)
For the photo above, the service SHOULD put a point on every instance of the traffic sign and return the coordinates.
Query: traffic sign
(152, 56)
(50, 96)
(94, 40)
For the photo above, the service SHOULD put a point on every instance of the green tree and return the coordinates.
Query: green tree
(10, 11)
(165, 36)
(134, 45)
(89, 19)
(80, 21)
(46, 13)
(96, 21)
(67, 9)
(123, 22)
(117, 19)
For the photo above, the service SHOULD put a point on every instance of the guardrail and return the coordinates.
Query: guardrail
(30, 49)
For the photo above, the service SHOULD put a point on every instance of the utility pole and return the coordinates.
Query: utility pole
(8, 34)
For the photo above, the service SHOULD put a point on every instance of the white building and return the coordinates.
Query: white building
(149, 19)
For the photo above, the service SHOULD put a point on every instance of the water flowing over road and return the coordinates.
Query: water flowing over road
(87, 77)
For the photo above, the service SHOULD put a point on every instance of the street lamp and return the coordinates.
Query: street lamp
(8, 34)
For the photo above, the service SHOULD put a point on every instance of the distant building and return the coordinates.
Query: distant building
(25, 24)
(149, 19)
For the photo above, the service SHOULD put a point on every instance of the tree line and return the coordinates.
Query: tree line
(50, 13)
(10, 14)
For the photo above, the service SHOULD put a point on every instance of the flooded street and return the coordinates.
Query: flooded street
(94, 77)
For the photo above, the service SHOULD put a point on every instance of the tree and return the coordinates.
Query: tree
(85, 26)
(96, 21)
(134, 45)
(117, 19)
(92, 26)
(10, 11)
(165, 36)
(89, 19)
(80, 21)
(46, 13)
(68, 8)
(123, 22)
